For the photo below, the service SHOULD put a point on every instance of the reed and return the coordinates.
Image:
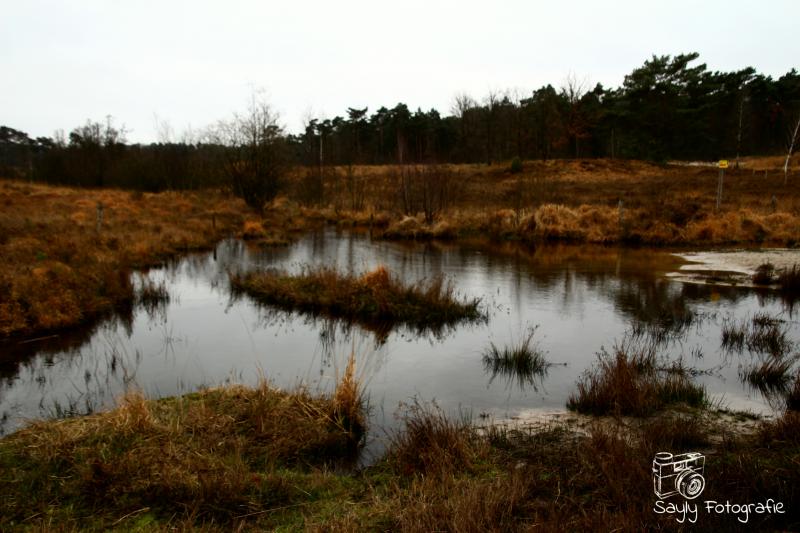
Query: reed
(628, 381)
(523, 361)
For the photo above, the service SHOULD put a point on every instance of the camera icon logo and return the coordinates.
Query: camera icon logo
(679, 474)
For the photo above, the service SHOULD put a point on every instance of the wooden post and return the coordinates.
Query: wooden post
(774, 203)
(99, 216)
(719, 187)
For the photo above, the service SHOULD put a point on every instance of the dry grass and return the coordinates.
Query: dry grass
(236, 458)
(770, 375)
(789, 281)
(523, 361)
(578, 201)
(206, 458)
(60, 269)
(432, 444)
(551, 479)
(759, 334)
(793, 397)
(629, 382)
(376, 298)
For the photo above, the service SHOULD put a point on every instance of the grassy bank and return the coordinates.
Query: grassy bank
(215, 457)
(238, 458)
(65, 264)
(377, 298)
(568, 200)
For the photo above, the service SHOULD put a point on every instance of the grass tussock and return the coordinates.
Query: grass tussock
(151, 295)
(374, 298)
(793, 397)
(432, 443)
(772, 374)
(208, 457)
(764, 274)
(63, 266)
(264, 233)
(348, 400)
(760, 334)
(789, 280)
(628, 381)
(523, 361)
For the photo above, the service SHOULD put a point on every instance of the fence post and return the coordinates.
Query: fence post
(99, 216)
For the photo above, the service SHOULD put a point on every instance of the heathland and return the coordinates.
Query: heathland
(262, 458)
(259, 458)
(68, 253)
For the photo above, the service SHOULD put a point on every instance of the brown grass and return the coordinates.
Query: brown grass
(205, 458)
(59, 270)
(578, 201)
(376, 298)
(630, 382)
(238, 458)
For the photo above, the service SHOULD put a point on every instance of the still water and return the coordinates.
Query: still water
(579, 298)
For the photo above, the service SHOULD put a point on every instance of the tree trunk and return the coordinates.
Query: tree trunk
(791, 149)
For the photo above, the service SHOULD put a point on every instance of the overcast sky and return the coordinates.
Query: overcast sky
(193, 62)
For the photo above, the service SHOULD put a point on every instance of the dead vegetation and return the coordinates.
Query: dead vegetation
(376, 298)
(629, 381)
(571, 200)
(213, 457)
(68, 254)
(240, 458)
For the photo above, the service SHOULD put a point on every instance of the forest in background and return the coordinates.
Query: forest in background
(667, 109)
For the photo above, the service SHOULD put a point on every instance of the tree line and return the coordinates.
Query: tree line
(668, 108)
(665, 109)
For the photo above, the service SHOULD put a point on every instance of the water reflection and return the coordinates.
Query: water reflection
(582, 298)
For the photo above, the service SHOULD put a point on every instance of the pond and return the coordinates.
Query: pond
(578, 299)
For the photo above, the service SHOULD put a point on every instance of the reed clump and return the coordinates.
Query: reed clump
(773, 374)
(764, 274)
(374, 298)
(523, 360)
(760, 334)
(628, 381)
(789, 280)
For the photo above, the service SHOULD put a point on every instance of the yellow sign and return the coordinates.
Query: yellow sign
(723, 163)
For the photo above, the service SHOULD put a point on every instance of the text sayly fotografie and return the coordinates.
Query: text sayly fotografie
(689, 511)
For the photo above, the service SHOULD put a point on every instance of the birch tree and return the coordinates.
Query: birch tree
(792, 140)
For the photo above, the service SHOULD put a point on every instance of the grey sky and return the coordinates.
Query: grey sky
(193, 62)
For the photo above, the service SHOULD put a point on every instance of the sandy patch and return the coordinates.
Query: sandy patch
(731, 267)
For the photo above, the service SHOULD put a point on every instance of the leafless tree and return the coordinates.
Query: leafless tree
(164, 131)
(254, 154)
(490, 106)
(573, 90)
